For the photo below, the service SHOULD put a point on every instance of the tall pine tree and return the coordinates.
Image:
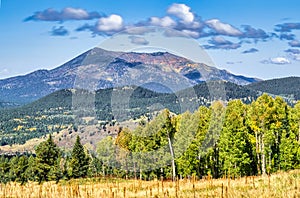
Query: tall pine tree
(47, 154)
(79, 162)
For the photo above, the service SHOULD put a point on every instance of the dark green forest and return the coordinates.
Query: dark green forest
(233, 139)
(285, 87)
(63, 108)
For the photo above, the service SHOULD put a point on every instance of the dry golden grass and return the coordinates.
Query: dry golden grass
(285, 184)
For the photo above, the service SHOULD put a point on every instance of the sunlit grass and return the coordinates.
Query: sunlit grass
(284, 184)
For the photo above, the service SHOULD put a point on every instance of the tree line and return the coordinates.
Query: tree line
(232, 140)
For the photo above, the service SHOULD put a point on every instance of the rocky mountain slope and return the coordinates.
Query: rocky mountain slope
(100, 69)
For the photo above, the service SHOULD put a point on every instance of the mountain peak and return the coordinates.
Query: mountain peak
(113, 68)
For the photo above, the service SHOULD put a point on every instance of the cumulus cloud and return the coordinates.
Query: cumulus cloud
(191, 33)
(293, 51)
(179, 18)
(59, 31)
(294, 54)
(104, 26)
(138, 30)
(174, 33)
(277, 61)
(250, 32)
(163, 22)
(223, 28)
(138, 40)
(181, 11)
(111, 23)
(218, 42)
(294, 43)
(251, 50)
(66, 14)
(289, 37)
(287, 27)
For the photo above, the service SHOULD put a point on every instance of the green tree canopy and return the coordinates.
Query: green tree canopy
(79, 162)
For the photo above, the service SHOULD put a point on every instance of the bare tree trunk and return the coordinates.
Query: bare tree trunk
(103, 170)
(263, 156)
(134, 168)
(173, 160)
(141, 172)
(299, 133)
(257, 151)
(270, 161)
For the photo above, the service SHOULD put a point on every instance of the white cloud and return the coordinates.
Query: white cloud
(218, 42)
(163, 22)
(181, 11)
(296, 57)
(138, 30)
(67, 13)
(110, 24)
(73, 13)
(294, 43)
(294, 54)
(191, 33)
(181, 33)
(277, 60)
(280, 60)
(223, 28)
(138, 40)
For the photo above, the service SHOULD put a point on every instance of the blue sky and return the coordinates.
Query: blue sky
(248, 37)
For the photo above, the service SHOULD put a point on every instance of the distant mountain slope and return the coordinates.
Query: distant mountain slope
(57, 111)
(7, 105)
(102, 69)
(287, 87)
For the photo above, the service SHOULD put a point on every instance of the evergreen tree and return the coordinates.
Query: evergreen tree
(31, 171)
(21, 169)
(79, 162)
(47, 154)
(4, 169)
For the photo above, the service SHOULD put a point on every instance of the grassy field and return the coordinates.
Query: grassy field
(285, 184)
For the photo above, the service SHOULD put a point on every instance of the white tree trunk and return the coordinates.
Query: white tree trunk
(173, 160)
(263, 156)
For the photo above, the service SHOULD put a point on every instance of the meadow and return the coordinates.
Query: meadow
(282, 184)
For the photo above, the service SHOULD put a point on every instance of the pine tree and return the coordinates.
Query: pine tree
(4, 169)
(79, 162)
(31, 171)
(47, 154)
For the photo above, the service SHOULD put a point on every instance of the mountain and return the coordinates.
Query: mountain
(100, 69)
(288, 88)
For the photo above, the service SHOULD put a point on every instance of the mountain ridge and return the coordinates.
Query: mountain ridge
(114, 69)
(287, 87)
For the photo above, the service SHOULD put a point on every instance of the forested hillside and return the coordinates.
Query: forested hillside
(287, 87)
(58, 110)
(234, 140)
